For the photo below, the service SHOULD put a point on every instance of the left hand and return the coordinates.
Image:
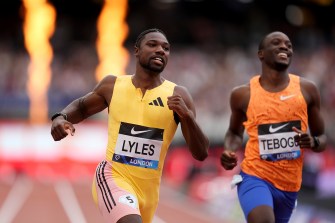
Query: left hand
(303, 139)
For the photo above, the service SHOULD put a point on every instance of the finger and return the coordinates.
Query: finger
(171, 100)
(305, 142)
(229, 161)
(232, 154)
(174, 96)
(69, 132)
(299, 135)
(297, 130)
(174, 103)
(59, 133)
(229, 166)
(69, 129)
(230, 158)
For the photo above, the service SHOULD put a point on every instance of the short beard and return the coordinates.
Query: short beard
(150, 68)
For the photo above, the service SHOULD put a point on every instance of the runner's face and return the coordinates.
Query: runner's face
(277, 51)
(153, 52)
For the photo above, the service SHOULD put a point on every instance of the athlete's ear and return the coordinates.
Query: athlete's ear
(136, 49)
(260, 54)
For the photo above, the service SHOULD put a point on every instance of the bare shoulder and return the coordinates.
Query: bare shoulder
(240, 96)
(307, 84)
(108, 80)
(105, 87)
(181, 90)
(309, 90)
(241, 89)
(241, 92)
(185, 95)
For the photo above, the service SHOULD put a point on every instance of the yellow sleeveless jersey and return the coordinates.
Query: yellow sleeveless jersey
(140, 129)
(271, 152)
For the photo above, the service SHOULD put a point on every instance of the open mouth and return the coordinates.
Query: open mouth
(158, 60)
(282, 55)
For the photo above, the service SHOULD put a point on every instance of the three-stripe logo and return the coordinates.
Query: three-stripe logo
(104, 188)
(157, 102)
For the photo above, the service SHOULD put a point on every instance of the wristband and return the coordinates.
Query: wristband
(316, 141)
(59, 114)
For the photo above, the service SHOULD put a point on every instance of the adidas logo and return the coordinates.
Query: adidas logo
(157, 102)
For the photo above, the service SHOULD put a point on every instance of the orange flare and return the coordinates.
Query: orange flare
(39, 26)
(112, 31)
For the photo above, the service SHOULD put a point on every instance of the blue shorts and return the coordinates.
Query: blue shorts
(254, 192)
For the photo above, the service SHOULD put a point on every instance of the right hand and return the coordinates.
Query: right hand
(61, 128)
(228, 160)
(177, 104)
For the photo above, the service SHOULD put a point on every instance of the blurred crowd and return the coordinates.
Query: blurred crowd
(209, 73)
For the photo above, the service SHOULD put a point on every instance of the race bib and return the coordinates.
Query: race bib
(138, 145)
(276, 141)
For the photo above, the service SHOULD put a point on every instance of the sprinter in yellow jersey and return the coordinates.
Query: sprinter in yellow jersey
(281, 115)
(144, 111)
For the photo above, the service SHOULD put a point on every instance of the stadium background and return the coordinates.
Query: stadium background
(214, 46)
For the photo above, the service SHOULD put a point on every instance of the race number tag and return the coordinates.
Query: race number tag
(138, 145)
(276, 141)
(129, 200)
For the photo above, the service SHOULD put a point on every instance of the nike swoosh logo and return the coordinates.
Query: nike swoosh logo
(272, 130)
(134, 132)
(285, 97)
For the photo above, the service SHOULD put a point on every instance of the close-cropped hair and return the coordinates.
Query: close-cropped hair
(142, 34)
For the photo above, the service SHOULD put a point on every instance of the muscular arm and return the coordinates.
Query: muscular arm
(233, 140)
(239, 100)
(315, 119)
(91, 103)
(181, 103)
(83, 107)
